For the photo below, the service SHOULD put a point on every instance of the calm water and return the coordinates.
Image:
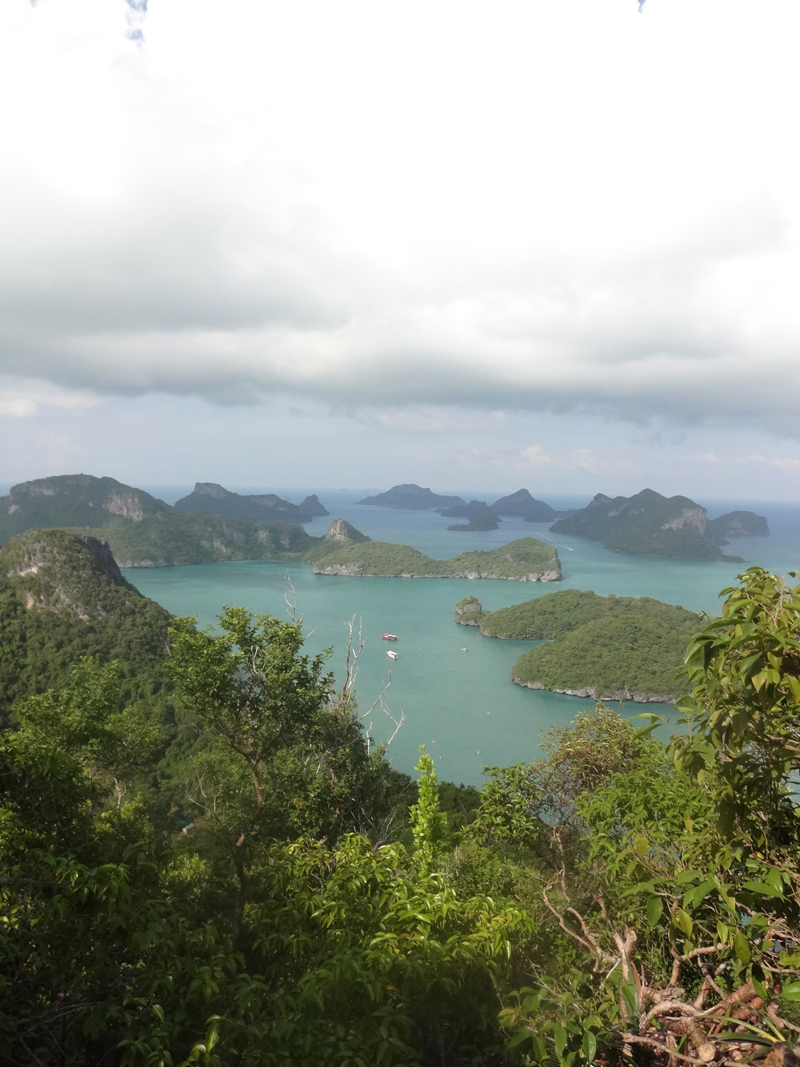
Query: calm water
(462, 704)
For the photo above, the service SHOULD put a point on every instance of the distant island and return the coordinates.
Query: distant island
(412, 498)
(524, 506)
(142, 530)
(347, 552)
(649, 524)
(480, 516)
(606, 648)
(266, 507)
(740, 524)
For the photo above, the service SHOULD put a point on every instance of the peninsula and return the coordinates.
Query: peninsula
(347, 552)
(606, 648)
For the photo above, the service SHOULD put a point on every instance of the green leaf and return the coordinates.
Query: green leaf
(560, 1039)
(683, 921)
(655, 905)
(741, 947)
(763, 888)
(589, 1045)
(791, 991)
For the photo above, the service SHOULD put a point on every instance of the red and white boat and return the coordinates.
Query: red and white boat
(388, 637)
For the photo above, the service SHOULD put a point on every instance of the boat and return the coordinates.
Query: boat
(388, 637)
(391, 655)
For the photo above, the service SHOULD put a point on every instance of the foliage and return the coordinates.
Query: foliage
(745, 667)
(428, 821)
(617, 901)
(521, 559)
(60, 601)
(628, 649)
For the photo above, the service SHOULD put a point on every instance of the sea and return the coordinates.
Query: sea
(450, 689)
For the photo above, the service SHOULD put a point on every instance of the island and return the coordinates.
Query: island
(142, 530)
(411, 498)
(349, 553)
(606, 648)
(214, 499)
(741, 524)
(522, 505)
(648, 524)
(480, 516)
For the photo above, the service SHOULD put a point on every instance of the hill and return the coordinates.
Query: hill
(740, 524)
(525, 560)
(481, 518)
(647, 524)
(522, 505)
(63, 597)
(266, 507)
(608, 648)
(142, 530)
(73, 500)
(411, 497)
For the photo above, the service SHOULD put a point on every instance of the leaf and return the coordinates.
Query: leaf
(560, 1039)
(791, 991)
(589, 1045)
(763, 888)
(741, 947)
(655, 905)
(683, 921)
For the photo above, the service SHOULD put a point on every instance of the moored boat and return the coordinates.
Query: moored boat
(391, 655)
(388, 637)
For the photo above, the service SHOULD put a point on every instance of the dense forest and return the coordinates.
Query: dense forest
(230, 872)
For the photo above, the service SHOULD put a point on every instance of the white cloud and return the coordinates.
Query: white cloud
(530, 207)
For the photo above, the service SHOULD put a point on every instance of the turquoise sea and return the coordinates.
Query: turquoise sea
(461, 704)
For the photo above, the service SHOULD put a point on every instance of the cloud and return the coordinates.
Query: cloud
(28, 401)
(264, 201)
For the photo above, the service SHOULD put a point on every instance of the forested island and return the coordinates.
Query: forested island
(649, 524)
(607, 648)
(206, 861)
(348, 552)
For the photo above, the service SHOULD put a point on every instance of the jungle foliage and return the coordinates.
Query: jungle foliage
(262, 889)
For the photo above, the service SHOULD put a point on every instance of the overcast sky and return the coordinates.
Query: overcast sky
(346, 244)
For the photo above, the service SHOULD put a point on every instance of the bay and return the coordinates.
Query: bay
(461, 704)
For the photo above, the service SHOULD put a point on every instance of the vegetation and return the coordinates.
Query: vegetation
(604, 647)
(144, 531)
(523, 560)
(61, 598)
(616, 902)
(647, 524)
(264, 507)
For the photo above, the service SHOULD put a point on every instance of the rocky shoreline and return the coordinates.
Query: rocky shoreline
(592, 692)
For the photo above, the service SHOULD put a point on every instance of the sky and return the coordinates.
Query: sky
(526, 243)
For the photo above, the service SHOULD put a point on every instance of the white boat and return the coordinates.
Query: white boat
(391, 655)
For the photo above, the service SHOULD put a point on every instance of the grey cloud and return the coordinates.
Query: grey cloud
(188, 295)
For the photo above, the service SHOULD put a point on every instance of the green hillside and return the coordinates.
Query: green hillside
(73, 500)
(647, 524)
(63, 597)
(142, 530)
(173, 538)
(523, 560)
(604, 647)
